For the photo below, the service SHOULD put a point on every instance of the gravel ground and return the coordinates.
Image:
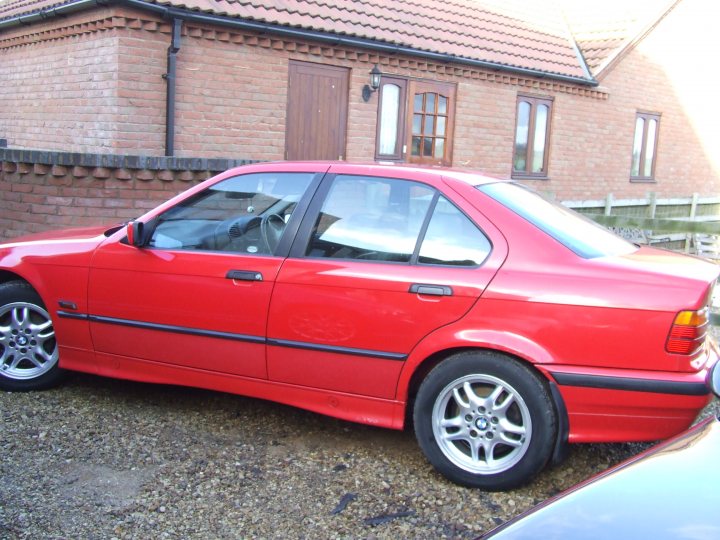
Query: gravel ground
(99, 458)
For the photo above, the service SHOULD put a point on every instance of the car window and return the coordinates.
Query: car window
(579, 234)
(243, 214)
(376, 219)
(451, 238)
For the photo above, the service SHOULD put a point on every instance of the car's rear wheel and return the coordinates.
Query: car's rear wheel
(485, 420)
(28, 348)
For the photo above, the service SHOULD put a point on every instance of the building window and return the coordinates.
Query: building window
(532, 137)
(644, 147)
(415, 121)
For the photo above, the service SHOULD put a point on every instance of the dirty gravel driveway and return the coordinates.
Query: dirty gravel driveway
(99, 458)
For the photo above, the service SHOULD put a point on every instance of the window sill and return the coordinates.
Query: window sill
(641, 180)
(529, 177)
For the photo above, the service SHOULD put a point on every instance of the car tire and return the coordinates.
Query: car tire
(485, 420)
(28, 348)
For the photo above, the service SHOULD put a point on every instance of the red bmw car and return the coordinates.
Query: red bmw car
(500, 324)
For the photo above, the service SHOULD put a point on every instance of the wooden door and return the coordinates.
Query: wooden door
(316, 112)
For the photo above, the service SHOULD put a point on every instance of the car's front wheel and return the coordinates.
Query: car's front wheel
(28, 348)
(485, 420)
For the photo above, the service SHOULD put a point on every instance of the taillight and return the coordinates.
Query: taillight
(688, 332)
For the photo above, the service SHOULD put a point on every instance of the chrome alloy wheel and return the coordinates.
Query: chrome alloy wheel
(27, 341)
(481, 424)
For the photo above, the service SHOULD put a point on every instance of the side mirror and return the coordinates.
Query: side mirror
(134, 231)
(714, 379)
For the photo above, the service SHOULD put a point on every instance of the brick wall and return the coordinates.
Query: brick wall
(232, 95)
(51, 190)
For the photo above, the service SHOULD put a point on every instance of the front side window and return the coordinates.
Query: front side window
(532, 137)
(644, 147)
(415, 121)
(243, 214)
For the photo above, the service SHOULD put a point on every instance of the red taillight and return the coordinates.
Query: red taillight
(688, 332)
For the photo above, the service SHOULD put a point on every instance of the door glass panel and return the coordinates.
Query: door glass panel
(429, 128)
(538, 159)
(390, 107)
(427, 146)
(430, 102)
(439, 148)
(442, 105)
(637, 146)
(521, 136)
(418, 103)
(453, 239)
(650, 147)
(417, 124)
(415, 150)
(372, 219)
(243, 214)
(440, 126)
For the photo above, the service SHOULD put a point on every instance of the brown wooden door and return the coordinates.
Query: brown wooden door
(316, 112)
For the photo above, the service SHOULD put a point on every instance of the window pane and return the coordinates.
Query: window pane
(650, 148)
(418, 106)
(453, 239)
(521, 136)
(439, 148)
(538, 160)
(417, 124)
(390, 107)
(228, 216)
(427, 146)
(430, 102)
(442, 105)
(372, 219)
(440, 127)
(637, 147)
(429, 128)
(415, 146)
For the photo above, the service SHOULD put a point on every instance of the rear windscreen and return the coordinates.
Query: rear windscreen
(579, 234)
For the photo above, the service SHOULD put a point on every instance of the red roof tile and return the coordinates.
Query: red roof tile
(529, 35)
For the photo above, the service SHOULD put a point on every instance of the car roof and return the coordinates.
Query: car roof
(405, 170)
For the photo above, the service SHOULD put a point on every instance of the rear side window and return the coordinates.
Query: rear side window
(579, 234)
(392, 220)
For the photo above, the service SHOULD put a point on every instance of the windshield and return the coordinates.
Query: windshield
(576, 232)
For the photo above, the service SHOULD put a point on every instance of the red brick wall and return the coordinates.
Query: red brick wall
(232, 94)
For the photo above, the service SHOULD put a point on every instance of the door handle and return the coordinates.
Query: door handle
(244, 275)
(432, 290)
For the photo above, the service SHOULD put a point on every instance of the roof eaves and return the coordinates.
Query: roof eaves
(298, 33)
(612, 60)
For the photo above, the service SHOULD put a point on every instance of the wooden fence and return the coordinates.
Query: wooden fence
(689, 224)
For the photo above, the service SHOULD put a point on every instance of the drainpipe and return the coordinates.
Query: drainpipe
(170, 78)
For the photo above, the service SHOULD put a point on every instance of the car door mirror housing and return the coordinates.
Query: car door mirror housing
(134, 231)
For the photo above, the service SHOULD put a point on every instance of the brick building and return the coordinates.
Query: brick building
(574, 98)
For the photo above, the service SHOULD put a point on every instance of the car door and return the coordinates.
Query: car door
(378, 264)
(197, 293)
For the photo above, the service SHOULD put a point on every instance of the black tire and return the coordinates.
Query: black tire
(28, 348)
(485, 420)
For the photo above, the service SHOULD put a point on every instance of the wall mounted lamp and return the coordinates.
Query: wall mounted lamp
(368, 89)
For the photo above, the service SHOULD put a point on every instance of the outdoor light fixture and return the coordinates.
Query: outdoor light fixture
(368, 89)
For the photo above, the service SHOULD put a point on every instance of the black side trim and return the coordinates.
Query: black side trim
(176, 329)
(632, 385)
(68, 315)
(340, 350)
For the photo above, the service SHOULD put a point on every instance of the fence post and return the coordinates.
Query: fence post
(693, 213)
(608, 204)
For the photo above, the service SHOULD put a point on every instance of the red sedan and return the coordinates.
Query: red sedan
(500, 324)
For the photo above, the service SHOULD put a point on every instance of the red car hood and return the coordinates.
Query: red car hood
(82, 234)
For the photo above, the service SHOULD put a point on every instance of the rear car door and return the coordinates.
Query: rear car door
(197, 294)
(378, 264)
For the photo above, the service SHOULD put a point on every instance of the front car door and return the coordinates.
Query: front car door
(197, 294)
(378, 264)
